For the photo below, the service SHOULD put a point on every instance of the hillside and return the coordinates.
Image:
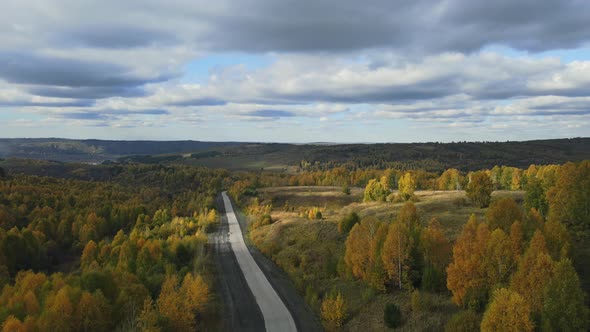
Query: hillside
(292, 157)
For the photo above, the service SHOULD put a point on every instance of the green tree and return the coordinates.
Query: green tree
(564, 308)
(535, 196)
(347, 222)
(479, 190)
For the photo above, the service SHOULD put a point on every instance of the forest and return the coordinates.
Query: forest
(125, 246)
(125, 254)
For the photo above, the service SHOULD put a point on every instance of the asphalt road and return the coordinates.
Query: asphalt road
(239, 311)
(276, 315)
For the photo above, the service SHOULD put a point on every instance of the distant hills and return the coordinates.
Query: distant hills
(292, 157)
(95, 151)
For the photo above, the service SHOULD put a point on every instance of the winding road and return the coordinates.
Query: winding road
(276, 315)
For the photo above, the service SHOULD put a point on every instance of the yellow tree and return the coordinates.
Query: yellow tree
(534, 270)
(557, 239)
(147, 321)
(93, 312)
(89, 253)
(467, 271)
(502, 213)
(516, 239)
(568, 199)
(375, 191)
(334, 310)
(357, 257)
(171, 305)
(13, 324)
(195, 291)
(59, 315)
(396, 253)
(499, 258)
(479, 190)
(435, 246)
(406, 186)
(508, 312)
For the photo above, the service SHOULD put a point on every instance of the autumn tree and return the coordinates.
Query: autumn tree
(564, 308)
(147, 321)
(502, 213)
(534, 271)
(479, 189)
(508, 311)
(437, 252)
(568, 199)
(450, 179)
(396, 253)
(93, 312)
(195, 292)
(557, 239)
(466, 274)
(516, 240)
(89, 254)
(334, 310)
(356, 256)
(171, 305)
(60, 313)
(499, 259)
(13, 324)
(406, 186)
(375, 191)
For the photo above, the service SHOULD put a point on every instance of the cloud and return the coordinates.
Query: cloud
(122, 63)
(272, 114)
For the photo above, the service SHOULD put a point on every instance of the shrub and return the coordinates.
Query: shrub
(392, 316)
(346, 223)
(346, 189)
(433, 280)
(334, 310)
(464, 321)
(420, 301)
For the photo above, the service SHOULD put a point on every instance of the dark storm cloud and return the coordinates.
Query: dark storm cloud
(420, 26)
(23, 68)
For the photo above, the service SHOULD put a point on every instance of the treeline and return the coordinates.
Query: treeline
(126, 254)
(513, 269)
(502, 178)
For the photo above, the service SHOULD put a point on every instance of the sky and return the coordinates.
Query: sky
(295, 70)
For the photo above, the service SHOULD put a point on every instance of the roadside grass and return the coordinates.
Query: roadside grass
(311, 251)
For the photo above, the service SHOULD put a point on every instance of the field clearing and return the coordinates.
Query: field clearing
(451, 208)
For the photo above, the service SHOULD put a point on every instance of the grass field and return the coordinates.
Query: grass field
(311, 251)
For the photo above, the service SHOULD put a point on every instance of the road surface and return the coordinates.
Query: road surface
(276, 315)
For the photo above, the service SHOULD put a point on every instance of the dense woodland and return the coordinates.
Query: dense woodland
(125, 254)
(124, 246)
